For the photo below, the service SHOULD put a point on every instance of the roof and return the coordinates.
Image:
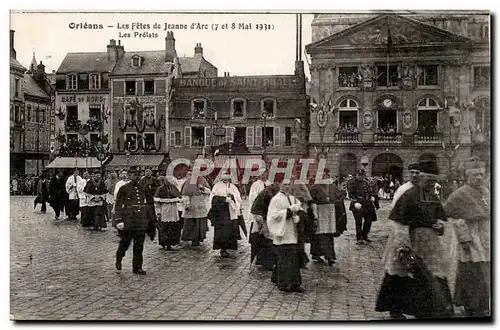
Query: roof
(136, 160)
(153, 62)
(30, 87)
(408, 31)
(86, 62)
(14, 63)
(190, 64)
(72, 162)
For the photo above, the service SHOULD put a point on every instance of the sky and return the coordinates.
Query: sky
(239, 51)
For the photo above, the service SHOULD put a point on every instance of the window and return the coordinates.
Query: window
(348, 116)
(17, 83)
(288, 136)
(95, 82)
(348, 77)
(268, 107)
(148, 113)
(71, 137)
(128, 114)
(72, 112)
(130, 88)
(198, 136)
(238, 108)
(28, 112)
(482, 77)
(149, 140)
(427, 117)
(175, 139)
(199, 107)
(382, 75)
(149, 87)
(428, 75)
(267, 136)
(94, 139)
(17, 114)
(387, 121)
(94, 112)
(130, 141)
(136, 61)
(44, 116)
(485, 31)
(240, 135)
(72, 81)
(483, 116)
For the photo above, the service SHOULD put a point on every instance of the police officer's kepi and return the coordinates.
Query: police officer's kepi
(136, 169)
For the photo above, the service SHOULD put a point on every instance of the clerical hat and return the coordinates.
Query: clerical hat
(429, 167)
(414, 166)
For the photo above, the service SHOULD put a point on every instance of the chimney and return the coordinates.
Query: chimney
(170, 52)
(12, 49)
(120, 50)
(112, 51)
(198, 50)
(40, 75)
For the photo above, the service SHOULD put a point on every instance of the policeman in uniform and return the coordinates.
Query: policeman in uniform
(364, 202)
(132, 220)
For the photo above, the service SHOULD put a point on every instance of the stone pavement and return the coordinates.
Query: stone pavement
(59, 271)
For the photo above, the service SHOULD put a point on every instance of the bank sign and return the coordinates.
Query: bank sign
(277, 82)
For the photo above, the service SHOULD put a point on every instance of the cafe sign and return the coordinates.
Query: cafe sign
(83, 99)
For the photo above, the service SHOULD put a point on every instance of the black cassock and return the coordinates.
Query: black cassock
(227, 231)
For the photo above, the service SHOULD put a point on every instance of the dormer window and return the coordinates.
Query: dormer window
(95, 82)
(72, 81)
(136, 61)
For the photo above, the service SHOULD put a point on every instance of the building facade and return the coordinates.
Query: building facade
(39, 118)
(392, 88)
(17, 71)
(267, 114)
(82, 103)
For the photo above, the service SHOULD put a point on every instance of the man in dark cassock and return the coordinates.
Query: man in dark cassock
(149, 184)
(322, 243)
(225, 203)
(417, 220)
(57, 192)
(261, 243)
(132, 220)
(96, 190)
(364, 203)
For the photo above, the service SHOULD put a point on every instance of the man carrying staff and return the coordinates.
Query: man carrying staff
(469, 210)
(132, 220)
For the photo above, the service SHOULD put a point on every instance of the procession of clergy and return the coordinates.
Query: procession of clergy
(286, 216)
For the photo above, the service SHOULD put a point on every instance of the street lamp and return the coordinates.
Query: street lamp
(264, 136)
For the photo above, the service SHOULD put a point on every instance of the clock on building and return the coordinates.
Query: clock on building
(387, 103)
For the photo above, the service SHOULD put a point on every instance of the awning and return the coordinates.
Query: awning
(120, 161)
(73, 162)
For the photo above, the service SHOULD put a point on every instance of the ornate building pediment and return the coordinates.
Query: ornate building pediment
(375, 33)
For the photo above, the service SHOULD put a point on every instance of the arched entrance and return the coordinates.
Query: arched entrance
(388, 164)
(348, 165)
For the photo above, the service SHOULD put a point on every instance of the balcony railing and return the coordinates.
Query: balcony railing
(428, 138)
(388, 138)
(347, 137)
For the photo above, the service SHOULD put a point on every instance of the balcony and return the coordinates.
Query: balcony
(72, 125)
(428, 138)
(94, 124)
(381, 138)
(347, 138)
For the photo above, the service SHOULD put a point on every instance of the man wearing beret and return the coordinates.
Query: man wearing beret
(363, 205)
(132, 219)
